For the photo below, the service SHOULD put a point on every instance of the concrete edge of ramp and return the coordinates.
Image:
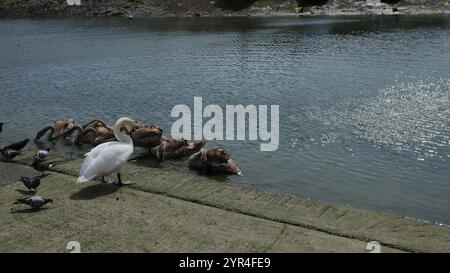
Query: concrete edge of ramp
(106, 218)
(388, 229)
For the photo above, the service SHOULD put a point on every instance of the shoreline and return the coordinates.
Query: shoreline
(230, 16)
(41, 8)
(331, 228)
(236, 15)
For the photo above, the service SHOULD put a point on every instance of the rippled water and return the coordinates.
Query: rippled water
(364, 102)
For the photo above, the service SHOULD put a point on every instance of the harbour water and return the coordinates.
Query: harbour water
(364, 101)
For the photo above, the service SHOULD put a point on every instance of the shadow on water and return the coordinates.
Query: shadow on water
(218, 177)
(177, 164)
(150, 161)
(180, 164)
(94, 191)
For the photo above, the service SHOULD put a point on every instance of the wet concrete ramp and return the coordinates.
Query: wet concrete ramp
(167, 211)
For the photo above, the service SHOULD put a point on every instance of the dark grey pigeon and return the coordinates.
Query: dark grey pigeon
(9, 153)
(41, 166)
(32, 182)
(1, 127)
(42, 154)
(34, 202)
(18, 145)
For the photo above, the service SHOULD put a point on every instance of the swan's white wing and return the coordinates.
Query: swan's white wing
(91, 156)
(104, 159)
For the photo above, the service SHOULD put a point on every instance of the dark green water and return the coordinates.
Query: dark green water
(364, 102)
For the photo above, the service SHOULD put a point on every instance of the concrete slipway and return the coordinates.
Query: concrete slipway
(167, 211)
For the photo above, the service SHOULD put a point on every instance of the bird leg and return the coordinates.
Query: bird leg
(121, 183)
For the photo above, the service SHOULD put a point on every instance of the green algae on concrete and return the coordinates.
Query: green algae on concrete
(169, 211)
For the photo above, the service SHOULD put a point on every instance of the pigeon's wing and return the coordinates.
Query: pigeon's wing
(27, 182)
(23, 199)
(42, 154)
(36, 201)
(35, 182)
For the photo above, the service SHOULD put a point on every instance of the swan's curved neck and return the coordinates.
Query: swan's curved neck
(121, 136)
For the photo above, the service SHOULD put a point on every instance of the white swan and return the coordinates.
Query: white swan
(107, 158)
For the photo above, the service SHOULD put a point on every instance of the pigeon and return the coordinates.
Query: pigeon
(34, 202)
(9, 153)
(32, 182)
(1, 127)
(42, 154)
(41, 166)
(17, 146)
